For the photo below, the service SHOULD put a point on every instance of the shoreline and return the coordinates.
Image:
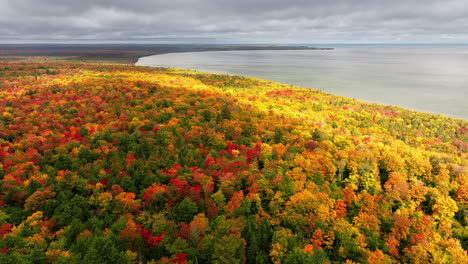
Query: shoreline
(168, 59)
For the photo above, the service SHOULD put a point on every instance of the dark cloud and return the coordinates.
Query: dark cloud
(245, 21)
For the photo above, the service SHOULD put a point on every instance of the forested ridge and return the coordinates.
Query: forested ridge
(123, 164)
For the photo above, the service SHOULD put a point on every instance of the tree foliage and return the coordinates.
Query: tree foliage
(124, 164)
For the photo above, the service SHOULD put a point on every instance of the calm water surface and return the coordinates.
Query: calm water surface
(425, 78)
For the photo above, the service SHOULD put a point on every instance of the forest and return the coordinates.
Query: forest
(103, 163)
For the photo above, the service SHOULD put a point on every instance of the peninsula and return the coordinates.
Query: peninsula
(123, 53)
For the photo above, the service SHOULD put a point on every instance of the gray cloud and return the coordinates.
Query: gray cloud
(241, 21)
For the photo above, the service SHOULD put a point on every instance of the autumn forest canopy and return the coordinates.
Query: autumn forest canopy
(108, 163)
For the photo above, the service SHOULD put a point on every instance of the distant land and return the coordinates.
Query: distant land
(124, 53)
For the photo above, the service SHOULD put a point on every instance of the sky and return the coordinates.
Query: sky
(234, 21)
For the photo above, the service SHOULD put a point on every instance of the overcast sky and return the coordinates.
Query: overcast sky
(234, 21)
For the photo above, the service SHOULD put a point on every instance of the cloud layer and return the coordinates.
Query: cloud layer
(240, 21)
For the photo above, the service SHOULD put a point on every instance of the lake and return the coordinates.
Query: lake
(427, 78)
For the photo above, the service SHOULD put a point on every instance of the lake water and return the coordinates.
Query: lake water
(428, 78)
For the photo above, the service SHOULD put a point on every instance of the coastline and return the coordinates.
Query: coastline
(330, 80)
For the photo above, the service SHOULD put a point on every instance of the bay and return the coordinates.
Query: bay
(427, 78)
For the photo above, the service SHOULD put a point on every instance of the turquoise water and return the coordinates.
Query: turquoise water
(426, 78)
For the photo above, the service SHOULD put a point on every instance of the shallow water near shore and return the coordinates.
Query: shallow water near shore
(427, 78)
